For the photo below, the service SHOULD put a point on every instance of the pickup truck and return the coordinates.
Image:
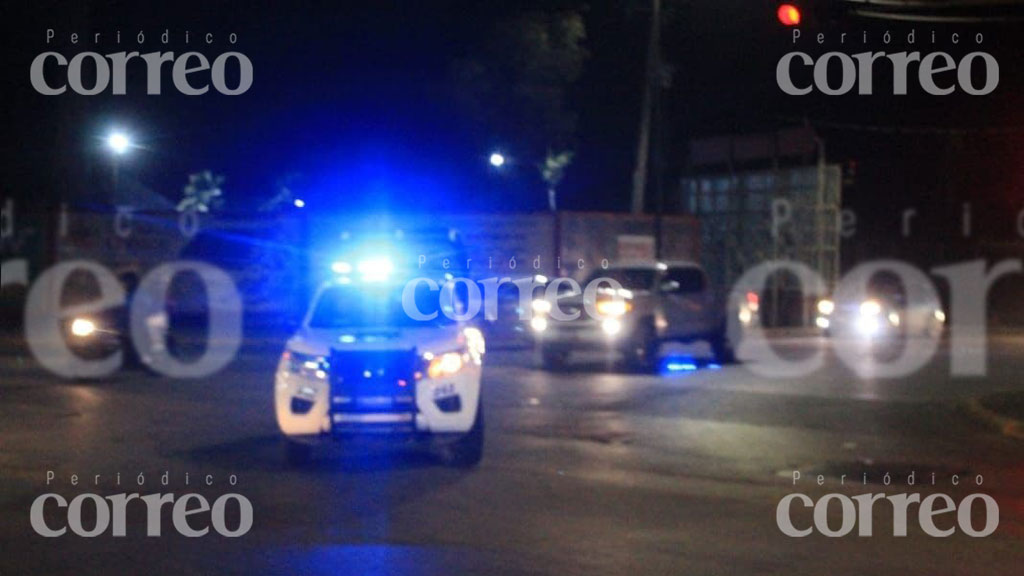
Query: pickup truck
(650, 303)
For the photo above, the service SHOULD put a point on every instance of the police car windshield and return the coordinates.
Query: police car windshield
(368, 307)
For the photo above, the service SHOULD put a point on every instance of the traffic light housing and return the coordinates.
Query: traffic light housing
(789, 14)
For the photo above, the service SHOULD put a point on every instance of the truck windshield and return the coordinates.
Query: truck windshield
(629, 278)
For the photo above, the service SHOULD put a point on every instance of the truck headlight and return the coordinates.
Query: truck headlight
(870, 308)
(541, 306)
(868, 326)
(447, 364)
(539, 323)
(611, 326)
(826, 307)
(83, 327)
(613, 307)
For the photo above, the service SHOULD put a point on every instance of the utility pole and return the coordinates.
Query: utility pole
(651, 76)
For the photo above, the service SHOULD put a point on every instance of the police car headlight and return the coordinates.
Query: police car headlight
(475, 341)
(304, 365)
(83, 327)
(443, 365)
(613, 307)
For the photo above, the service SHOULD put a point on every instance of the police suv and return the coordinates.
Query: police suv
(379, 354)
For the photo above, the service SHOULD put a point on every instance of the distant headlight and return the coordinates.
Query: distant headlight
(445, 365)
(83, 328)
(613, 307)
(868, 325)
(940, 315)
(539, 323)
(894, 319)
(870, 308)
(541, 306)
(826, 307)
(611, 326)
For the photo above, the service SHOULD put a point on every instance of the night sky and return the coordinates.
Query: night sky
(358, 99)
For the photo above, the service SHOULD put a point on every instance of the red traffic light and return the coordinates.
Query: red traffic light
(789, 15)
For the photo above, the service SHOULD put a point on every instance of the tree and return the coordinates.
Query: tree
(552, 170)
(203, 193)
(285, 196)
(514, 87)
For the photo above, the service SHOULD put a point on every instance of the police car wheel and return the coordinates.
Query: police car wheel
(297, 454)
(468, 451)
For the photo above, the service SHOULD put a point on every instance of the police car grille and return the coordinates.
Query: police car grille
(373, 381)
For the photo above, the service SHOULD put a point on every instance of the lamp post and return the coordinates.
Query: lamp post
(552, 170)
(118, 143)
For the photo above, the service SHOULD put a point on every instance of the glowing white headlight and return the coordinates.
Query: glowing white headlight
(541, 306)
(870, 308)
(940, 315)
(475, 341)
(822, 322)
(868, 325)
(826, 307)
(611, 326)
(83, 328)
(445, 365)
(539, 323)
(613, 307)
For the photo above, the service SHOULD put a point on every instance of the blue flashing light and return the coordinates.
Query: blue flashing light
(680, 367)
(375, 269)
(677, 364)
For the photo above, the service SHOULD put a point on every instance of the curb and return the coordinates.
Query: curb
(1006, 426)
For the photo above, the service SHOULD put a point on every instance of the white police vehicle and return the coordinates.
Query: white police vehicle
(360, 365)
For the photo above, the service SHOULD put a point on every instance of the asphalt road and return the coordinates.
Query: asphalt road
(591, 471)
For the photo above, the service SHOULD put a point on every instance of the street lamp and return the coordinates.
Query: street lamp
(118, 142)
